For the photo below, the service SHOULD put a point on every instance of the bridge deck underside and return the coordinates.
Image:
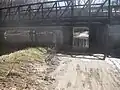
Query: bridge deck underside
(59, 22)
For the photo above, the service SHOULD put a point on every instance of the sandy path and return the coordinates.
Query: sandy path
(82, 74)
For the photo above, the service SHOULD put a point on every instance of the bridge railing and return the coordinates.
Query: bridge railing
(45, 10)
(57, 10)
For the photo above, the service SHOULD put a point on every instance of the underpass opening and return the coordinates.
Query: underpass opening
(90, 40)
(80, 38)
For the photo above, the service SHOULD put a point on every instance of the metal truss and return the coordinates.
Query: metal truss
(60, 12)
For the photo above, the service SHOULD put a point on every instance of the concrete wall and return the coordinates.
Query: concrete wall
(97, 38)
(17, 36)
(114, 36)
(49, 35)
(62, 35)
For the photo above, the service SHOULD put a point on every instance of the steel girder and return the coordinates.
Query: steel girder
(55, 11)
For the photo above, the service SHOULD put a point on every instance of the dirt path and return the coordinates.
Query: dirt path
(85, 74)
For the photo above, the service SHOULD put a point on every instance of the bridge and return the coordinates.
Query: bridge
(63, 12)
(95, 15)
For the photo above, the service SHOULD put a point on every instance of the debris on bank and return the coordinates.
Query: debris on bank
(25, 70)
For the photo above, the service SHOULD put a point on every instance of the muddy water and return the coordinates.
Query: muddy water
(81, 74)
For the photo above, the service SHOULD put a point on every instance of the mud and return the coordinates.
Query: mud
(82, 74)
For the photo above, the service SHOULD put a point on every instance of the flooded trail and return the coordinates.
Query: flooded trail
(85, 74)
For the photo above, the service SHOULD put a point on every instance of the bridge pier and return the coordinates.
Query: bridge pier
(98, 38)
(67, 37)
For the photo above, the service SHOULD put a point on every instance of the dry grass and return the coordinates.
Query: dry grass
(25, 70)
(15, 60)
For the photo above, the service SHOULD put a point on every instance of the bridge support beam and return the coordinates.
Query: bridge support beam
(98, 38)
(67, 37)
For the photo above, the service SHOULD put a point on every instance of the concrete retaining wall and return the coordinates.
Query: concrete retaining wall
(114, 36)
(62, 35)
